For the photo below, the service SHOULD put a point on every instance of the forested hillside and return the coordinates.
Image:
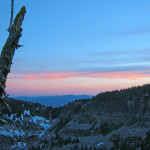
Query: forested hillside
(110, 120)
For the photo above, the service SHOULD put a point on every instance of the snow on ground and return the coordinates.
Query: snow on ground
(19, 133)
(19, 145)
(37, 118)
(22, 117)
(11, 133)
(99, 144)
(45, 126)
(6, 133)
(26, 112)
(11, 117)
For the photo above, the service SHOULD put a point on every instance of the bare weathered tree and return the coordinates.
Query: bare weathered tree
(9, 48)
(12, 13)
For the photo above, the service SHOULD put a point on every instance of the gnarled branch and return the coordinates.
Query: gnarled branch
(8, 52)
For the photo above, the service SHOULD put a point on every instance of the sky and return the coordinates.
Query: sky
(79, 46)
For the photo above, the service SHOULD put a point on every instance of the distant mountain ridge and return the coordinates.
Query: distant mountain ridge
(54, 101)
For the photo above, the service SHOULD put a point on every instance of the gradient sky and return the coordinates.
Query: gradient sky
(79, 46)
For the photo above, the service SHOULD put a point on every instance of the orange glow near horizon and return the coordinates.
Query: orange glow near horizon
(76, 83)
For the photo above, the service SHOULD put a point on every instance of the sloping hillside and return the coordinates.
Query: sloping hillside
(111, 120)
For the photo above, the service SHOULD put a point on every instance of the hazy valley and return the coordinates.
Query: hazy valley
(54, 101)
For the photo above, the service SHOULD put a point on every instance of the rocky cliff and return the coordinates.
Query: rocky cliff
(111, 120)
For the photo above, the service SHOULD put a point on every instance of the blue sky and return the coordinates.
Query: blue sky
(85, 37)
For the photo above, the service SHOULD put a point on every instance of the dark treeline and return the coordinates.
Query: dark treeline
(125, 100)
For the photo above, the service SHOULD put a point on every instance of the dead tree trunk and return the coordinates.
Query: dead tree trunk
(8, 52)
(12, 13)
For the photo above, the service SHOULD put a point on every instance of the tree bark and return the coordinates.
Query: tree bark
(8, 52)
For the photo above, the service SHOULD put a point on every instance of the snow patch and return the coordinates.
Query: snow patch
(45, 126)
(6, 133)
(37, 118)
(22, 117)
(99, 144)
(19, 145)
(11, 117)
(26, 112)
(12, 133)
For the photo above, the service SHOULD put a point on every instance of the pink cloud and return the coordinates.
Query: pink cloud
(78, 83)
(134, 75)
